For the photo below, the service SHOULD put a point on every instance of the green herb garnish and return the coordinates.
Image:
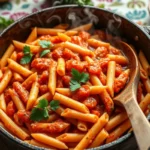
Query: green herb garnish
(77, 79)
(54, 104)
(45, 44)
(41, 111)
(43, 53)
(27, 56)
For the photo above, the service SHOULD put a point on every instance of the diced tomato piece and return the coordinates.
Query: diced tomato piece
(41, 63)
(24, 116)
(118, 70)
(84, 35)
(94, 68)
(23, 94)
(43, 79)
(66, 80)
(7, 96)
(43, 89)
(83, 92)
(19, 56)
(78, 40)
(45, 37)
(101, 52)
(57, 53)
(103, 64)
(98, 110)
(59, 82)
(80, 66)
(55, 39)
(90, 102)
(10, 109)
(68, 54)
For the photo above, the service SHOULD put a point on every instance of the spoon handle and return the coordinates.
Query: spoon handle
(139, 123)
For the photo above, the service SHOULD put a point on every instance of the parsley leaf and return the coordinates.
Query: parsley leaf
(38, 114)
(74, 85)
(43, 53)
(54, 104)
(27, 56)
(45, 44)
(41, 111)
(42, 103)
(26, 50)
(84, 77)
(77, 79)
(26, 59)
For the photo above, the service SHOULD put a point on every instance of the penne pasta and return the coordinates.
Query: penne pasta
(144, 62)
(64, 37)
(32, 36)
(82, 126)
(97, 43)
(6, 55)
(20, 46)
(71, 103)
(52, 78)
(70, 113)
(61, 67)
(2, 102)
(78, 49)
(111, 77)
(15, 129)
(28, 82)
(5, 80)
(91, 134)
(115, 121)
(99, 138)
(45, 139)
(119, 59)
(70, 137)
(33, 95)
(118, 131)
(18, 103)
(50, 31)
(36, 143)
(18, 68)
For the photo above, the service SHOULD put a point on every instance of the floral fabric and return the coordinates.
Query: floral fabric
(136, 10)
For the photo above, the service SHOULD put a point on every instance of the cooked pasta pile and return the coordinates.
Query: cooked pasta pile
(57, 88)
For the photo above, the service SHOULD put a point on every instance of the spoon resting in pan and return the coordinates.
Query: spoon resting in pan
(127, 98)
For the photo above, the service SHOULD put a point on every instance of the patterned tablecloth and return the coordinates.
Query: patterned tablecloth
(136, 10)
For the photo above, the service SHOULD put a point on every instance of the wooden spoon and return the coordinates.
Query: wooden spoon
(128, 96)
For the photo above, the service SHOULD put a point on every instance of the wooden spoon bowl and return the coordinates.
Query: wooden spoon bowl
(128, 96)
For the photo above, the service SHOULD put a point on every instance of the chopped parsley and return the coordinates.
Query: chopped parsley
(77, 79)
(45, 44)
(41, 111)
(43, 53)
(27, 55)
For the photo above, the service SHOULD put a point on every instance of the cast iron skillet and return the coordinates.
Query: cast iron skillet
(75, 15)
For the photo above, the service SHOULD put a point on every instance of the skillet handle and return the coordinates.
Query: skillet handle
(139, 123)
